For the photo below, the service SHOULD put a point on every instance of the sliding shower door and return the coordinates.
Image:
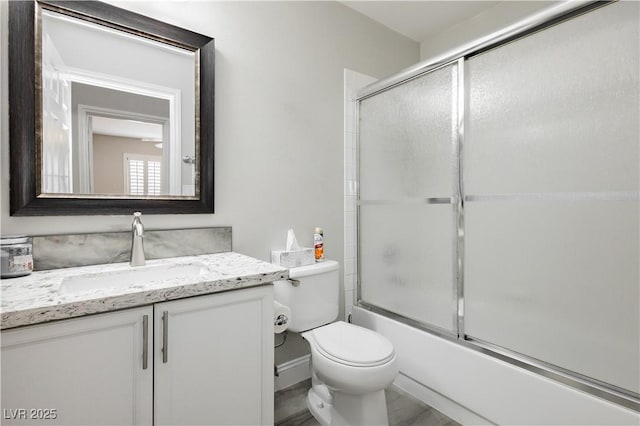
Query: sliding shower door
(500, 199)
(407, 144)
(551, 177)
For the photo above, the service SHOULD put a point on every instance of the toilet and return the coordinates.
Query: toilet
(350, 365)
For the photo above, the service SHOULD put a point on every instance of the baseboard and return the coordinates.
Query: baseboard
(440, 402)
(292, 372)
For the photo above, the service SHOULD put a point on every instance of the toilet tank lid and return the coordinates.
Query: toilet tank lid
(316, 268)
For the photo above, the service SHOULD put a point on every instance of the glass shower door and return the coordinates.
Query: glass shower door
(552, 174)
(407, 204)
(499, 199)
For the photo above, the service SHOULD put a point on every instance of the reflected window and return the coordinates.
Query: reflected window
(143, 175)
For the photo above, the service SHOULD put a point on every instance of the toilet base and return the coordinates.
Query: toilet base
(320, 405)
(348, 410)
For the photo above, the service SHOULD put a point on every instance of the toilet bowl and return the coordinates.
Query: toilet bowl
(350, 365)
(355, 365)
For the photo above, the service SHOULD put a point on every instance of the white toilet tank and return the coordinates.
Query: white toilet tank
(312, 294)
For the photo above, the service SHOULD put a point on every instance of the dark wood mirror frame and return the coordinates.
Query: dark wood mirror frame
(24, 100)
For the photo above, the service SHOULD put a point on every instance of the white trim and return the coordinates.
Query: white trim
(85, 151)
(174, 173)
(292, 372)
(447, 406)
(122, 84)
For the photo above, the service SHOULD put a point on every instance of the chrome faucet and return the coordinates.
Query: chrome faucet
(137, 249)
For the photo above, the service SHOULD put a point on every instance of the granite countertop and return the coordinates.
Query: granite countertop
(36, 298)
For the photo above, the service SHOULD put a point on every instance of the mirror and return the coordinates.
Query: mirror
(110, 112)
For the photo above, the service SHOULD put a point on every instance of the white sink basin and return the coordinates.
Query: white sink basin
(122, 278)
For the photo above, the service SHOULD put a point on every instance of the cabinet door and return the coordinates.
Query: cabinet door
(83, 371)
(214, 359)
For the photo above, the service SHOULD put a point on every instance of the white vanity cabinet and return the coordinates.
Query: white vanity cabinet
(209, 361)
(214, 359)
(82, 371)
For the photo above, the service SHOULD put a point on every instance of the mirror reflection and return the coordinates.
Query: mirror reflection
(118, 113)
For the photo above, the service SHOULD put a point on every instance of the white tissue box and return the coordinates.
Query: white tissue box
(293, 258)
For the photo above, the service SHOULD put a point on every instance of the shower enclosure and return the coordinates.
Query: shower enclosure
(498, 201)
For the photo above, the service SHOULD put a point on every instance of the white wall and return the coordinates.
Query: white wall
(503, 14)
(279, 121)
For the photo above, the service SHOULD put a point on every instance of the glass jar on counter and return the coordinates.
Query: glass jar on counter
(17, 257)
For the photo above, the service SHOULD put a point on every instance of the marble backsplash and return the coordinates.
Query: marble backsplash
(65, 251)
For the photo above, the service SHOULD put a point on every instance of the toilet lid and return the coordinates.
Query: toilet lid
(353, 345)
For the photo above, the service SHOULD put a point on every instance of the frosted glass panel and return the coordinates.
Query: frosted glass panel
(406, 139)
(406, 261)
(558, 110)
(555, 275)
(558, 282)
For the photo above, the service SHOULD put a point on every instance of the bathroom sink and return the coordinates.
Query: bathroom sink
(122, 278)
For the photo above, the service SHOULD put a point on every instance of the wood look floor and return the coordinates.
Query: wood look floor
(402, 408)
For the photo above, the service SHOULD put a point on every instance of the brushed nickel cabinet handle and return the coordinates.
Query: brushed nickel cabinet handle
(145, 342)
(165, 337)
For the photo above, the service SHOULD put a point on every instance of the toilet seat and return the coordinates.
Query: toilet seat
(351, 345)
